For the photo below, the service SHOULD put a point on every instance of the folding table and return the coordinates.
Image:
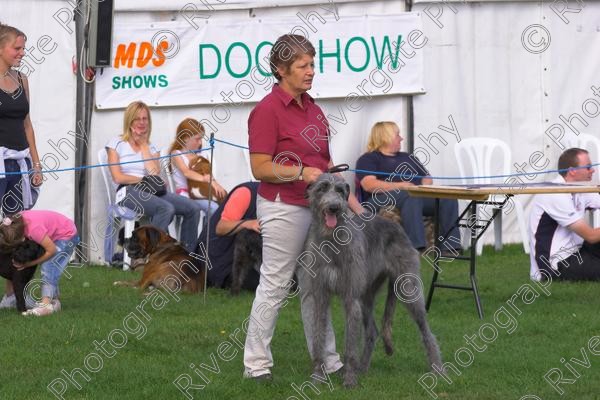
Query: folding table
(480, 195)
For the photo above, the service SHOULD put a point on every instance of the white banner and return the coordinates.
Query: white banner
(216, 61)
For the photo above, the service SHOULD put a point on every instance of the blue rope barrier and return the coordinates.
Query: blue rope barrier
(470, 177)
(105, 165)
(232, 144)
(407, 175)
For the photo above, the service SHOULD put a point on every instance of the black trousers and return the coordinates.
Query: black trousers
(581, 266)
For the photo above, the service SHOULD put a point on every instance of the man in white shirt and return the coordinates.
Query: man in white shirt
(563, 245)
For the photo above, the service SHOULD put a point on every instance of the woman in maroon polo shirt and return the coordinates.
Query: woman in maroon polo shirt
(289, 149)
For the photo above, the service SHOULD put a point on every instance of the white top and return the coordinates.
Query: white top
(550, 240)
(127, 155)
(178, 177)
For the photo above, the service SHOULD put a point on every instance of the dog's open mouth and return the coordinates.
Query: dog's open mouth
(330, 219)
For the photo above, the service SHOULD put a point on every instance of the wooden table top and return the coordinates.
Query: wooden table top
(484, 191)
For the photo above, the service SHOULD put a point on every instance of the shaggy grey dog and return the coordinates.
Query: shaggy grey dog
(352, 256)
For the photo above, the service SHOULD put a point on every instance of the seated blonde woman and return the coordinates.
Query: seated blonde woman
(401, 170)
(188, 139)
(132, 157)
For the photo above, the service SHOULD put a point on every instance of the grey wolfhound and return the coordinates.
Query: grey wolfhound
(352, 256)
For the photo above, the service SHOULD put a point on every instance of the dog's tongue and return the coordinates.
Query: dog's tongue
(330, 220)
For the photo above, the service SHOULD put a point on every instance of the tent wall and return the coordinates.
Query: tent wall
(50, 48)
(231, 167)
(478, 71)
(487, 70)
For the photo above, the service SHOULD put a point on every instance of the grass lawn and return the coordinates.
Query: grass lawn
(134, 347)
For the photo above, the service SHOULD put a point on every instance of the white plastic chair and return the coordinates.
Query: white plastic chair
(592, 145)
(115, 212)
(479, 157)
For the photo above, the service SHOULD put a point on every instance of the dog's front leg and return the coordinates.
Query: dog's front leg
(353, 331)
(319, 313)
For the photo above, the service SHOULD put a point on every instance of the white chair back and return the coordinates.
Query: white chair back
(482, 157)
(478, 160)
(110, 186)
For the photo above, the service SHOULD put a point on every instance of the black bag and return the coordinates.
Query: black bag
(152, 184)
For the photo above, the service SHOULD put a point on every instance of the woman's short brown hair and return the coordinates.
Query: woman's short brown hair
(8, 32)
(287, 49)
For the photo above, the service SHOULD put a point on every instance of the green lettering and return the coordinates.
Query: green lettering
(126, 82)
(336, 54)
(162, 81)
(248, 57)
(204, 75)
(138, 82)
(150, 81)
(260, 70)
(367, 57)
(386, 44)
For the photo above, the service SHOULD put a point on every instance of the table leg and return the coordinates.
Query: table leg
(473, 259)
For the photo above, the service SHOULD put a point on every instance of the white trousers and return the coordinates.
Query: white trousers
(284, 228)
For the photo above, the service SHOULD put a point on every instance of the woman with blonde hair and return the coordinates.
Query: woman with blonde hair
(383, 171)
(188, 139)
(135, 168)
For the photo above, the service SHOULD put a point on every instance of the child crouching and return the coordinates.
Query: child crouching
(57, 234)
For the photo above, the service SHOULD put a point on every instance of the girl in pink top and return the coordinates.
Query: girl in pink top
(57, 234)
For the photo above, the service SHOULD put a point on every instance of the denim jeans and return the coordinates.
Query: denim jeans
(203, 203)
(161, 211)
(53, 268)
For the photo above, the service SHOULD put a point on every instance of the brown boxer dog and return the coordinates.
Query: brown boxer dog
(166, 263)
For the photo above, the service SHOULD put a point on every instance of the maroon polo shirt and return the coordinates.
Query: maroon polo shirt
(278, 126)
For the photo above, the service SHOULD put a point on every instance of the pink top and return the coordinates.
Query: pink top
(41, 223)
(278, 126)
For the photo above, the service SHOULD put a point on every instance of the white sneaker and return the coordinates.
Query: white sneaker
(40, 310)
(8, 301)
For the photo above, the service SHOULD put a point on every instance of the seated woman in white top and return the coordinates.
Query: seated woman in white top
(133, 157)
(188, 139)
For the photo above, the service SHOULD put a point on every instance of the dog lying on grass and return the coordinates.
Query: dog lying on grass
(166, 263)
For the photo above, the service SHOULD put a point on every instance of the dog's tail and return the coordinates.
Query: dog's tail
(388, 317)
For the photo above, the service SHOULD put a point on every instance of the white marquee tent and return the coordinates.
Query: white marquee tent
(519, 71)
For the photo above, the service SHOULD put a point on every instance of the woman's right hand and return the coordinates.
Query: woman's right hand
(253, 225)
(219, 191)
(310, 174)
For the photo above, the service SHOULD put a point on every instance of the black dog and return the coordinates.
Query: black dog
(24, 252)
(247, 258)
